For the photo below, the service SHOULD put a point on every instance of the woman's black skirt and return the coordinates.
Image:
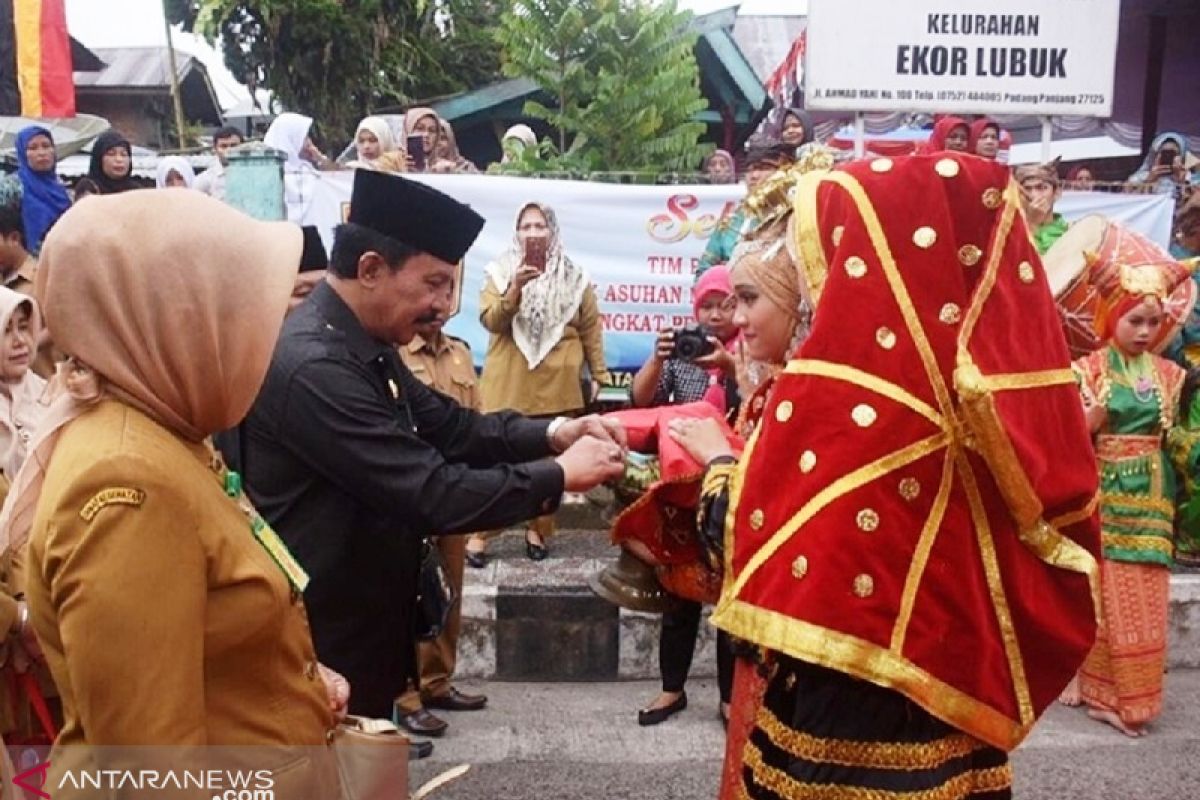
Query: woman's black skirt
(824, 735)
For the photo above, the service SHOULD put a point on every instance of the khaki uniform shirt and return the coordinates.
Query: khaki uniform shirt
(553, 387)
(446, 367)
(163, 619)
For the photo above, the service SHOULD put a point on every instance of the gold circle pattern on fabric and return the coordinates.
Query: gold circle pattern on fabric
(867, 520)
(969, 255)
(864, 585)
(838, 232)
(950, 314)
(855, 267)
(863, 415)
(947, 167)
(882, 165)
(757, 518)
(992, 198)
(800, 567)
(924, 237)
(808, 461)
(886, 338)
(1025, 272)
(783, 411)
(910, 489)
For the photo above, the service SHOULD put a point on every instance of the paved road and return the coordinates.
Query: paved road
(582, 742)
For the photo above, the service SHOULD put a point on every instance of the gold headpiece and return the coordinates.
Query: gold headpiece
(772, 200)
(1144, 280)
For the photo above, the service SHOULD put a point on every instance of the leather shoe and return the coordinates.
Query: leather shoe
(535, 551)
(476, 560)
(423, 723)
(454, 700)
(419, 750)
(653, 716)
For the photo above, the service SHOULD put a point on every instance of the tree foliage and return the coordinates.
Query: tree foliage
(622, 75)
(336, 60)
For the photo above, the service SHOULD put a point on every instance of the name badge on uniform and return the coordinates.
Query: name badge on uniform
(278, 551)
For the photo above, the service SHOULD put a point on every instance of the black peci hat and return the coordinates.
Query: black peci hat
(414, 214)
(313, 257)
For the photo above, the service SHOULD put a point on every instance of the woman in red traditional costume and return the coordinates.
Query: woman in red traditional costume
(1131, 399)
(912, 539)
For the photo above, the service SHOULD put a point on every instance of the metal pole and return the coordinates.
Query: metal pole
(1046, 134)
(174, 73)
(860, 135)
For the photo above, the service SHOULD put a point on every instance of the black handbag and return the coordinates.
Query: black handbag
(435, 593)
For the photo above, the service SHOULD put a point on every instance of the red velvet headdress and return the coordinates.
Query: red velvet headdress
(918, 506)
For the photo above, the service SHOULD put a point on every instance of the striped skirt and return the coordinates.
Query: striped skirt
(1124, 671)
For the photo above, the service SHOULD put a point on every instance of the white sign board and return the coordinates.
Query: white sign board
(638, 244)
(1041, 57)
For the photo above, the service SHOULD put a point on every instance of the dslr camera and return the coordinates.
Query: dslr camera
(692, 343)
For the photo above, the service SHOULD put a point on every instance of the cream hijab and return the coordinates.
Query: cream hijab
(287, 134)
(548, 302)
(174, 300)
(21, 403)
(377, 127)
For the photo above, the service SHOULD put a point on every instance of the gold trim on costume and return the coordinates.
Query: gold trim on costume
(908, 756)
(1156, 542)
(1029, 380)
(1072, 517)
(808, 236)
(112, 496)
(870, 662)
(920, 558)
(991, 271)
(964, 784)
(874, 383)
(991, 571)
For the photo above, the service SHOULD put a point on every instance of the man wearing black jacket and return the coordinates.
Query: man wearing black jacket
(353, 460)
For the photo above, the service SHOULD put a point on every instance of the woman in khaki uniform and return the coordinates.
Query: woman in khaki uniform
(21, 409)
(541, 311)
(168, 612)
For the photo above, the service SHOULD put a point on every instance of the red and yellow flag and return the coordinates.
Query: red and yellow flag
(36, 75)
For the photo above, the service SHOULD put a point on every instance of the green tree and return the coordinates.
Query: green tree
(336, 60)
(624, 82)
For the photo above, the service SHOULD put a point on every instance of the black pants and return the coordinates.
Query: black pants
(677, 644)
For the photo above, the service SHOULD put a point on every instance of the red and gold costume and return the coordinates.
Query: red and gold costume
(1140, 395)
(917, 508)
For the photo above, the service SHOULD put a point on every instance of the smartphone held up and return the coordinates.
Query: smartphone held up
(535, 252)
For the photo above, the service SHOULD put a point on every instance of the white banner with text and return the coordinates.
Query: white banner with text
(638, 244)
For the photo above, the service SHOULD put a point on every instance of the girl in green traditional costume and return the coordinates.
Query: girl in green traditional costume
(1131, 399)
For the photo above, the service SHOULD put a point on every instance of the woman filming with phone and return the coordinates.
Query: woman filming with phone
(421, 131)
(544, 321)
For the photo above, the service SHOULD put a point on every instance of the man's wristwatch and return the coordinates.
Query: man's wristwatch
(552, 429)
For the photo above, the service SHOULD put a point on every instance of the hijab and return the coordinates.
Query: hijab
(110, 140)
(522, 133)
(1165, 184)
(977, 128)
(548, 302)
(21, 408)
(725, 154)
(377, 127)
(188, 346)
(169, 164)
(805, 120)
(287, 134)
(461, 163)
(941, 131)
(43, 197)
(415, 115)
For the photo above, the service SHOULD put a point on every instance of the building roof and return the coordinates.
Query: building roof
(145, 69)
(728, 80)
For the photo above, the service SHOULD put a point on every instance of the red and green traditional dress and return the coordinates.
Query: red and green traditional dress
(1124, 671)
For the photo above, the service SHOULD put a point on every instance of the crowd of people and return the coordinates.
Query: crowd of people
(272, 495)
